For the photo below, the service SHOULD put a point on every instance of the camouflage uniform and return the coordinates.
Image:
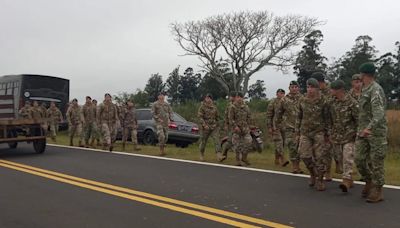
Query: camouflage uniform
(312, 126)
(240, 117)
(228, 127)
(107, 117)
(208, 115)
(96, 131)
(344, 117)
(162, 114)
(328, 147)
(55, 116)
(354, 94)
(25, 112)
(129, 125)
(74, 118)
(371, 150)
(274, 123)
(89, 121)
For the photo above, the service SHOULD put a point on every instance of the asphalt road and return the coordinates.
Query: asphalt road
(31, 197)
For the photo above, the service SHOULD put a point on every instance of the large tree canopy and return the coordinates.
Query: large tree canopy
(244, 41)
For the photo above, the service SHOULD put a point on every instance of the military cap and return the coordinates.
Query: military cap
(367, 68)
(338, 84)
(76, 100)
(162, 93)
(356, 77)
(293, 83)
(313, 82)
(232, 94)
(209, 95)
(280, 91)
(107, 94)
(239, 94)
(319, 76)
(94, 100)
(88, 97)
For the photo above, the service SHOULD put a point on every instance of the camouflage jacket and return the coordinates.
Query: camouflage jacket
(43, 110)
(54, 115)
(313, 116)
(208, 115)
(354, 94)
(89, 113)
(372, 110)
(25, 112)
(37, 113)
(74, 115)
(227, 124)
(240, 116)
(162, 113)
(128, 117)
(344, 117)
(273, 122)
(288, 110)
(107, 113)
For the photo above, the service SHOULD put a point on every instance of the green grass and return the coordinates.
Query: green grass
(264, 160)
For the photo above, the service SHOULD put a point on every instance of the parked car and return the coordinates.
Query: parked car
(181, 132)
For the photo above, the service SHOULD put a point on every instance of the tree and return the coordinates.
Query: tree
(174, 86)
(210, 85)
(388, 74)
(309, 59)
(154, 87)
(257, 90)
(190, 82)
(245, 41)
(139, 98)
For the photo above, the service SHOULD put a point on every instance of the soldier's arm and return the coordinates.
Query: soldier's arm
(154, 112)
(298, 119)
(69, 115)
(232, 120)
(327, 112)
(355, 110)
(200, 114)
(377, 108)
(170, 113)
(270, 114)
(98, 113)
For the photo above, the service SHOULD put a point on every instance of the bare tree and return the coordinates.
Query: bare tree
(244, 41)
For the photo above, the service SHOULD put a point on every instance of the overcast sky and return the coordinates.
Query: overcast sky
(115, 45)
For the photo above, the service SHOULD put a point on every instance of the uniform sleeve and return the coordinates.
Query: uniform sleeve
(355, 110)
(231, 116)
(200, 114)
(327, 112)
(377, 108)
(171, 117)
(155, 113)
(69, 115)
(270, 114)
(299, 118)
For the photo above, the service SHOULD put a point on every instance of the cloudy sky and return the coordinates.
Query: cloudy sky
(112, 46)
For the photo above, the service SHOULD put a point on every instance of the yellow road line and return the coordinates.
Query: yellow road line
(156, 197)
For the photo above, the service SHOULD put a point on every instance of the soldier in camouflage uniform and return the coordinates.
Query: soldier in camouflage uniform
(129, 125)
(208, 116)
(89, 120)
(228, 128)
(162, 115)
(312, 127)
(356, 85)
(240, 120)
(75, 119)
(55, 117)
(344, 118)
(107, 116)
(371, 142)
(287, 115)
(96, 131)
(275, 129)
(25, 112)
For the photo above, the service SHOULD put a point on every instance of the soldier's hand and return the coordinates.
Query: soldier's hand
(270, 131)
(206, 127)
(237, 129)
(365, 133)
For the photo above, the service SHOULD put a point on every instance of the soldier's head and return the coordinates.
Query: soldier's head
(337, 89)
(232, 96)
(129, 103)
(280, 93)
(94, 101)
(161, 96)
(312, 87)
(52, 104)
(74, 101)
(320, 77)
(239, 96)
(35, 104)
(294, 87)
(367, 71)
(43, 105)
(208, 97)
(88, 99)
(356, 82)
(107, 97)
(27, 103)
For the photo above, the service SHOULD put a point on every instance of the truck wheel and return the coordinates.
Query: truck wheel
(39, 145)
(12, 145)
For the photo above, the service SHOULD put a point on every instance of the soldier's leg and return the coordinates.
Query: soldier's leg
(217, 145)
(348, 162)
(306, 155)
(205, 134)
(105, 132)
(329, 154)
(160, 135)
(72, 130)
(113, 135)
(125, 132)
(236, 147)
(246, 148)
(293, 145)
(227, 146)
(321, 156)
(134, 139)
(277, 139)
(362, 158)
(81, 134)
(378, 153)
(53, 133)
(87, 133)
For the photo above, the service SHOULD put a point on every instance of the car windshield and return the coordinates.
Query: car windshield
(178, 118)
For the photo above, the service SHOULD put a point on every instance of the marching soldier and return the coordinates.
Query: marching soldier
(25, 112)
(75, 119)
(55, 117)
(89, 120)
(107, 116)
(228, 128)
(162, 115)
(129, 125)
(356, 85)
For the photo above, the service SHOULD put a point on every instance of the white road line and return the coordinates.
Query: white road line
(209, 164)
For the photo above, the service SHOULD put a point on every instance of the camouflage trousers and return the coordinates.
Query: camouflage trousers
(278, 136)
(370, 157)
(205, 134)
(89, 129)
(109, 133)
(125, 134)
(345, 154)
(162, 133)
(311, 150)
(53, 130)
(75, 130)
(242, 143)
(228, 144)
(292, 144)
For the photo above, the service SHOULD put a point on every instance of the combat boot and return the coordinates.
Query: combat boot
(238, 162)
(366, 190)
(224, 155)
(320, 185)
(244, 159)
(376, 195)
(328, 176)
(282, 161)
(346, 184)
(311, 182)
(162, 152)
(296, 167)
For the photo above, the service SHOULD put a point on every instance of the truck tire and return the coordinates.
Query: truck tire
(39, 145)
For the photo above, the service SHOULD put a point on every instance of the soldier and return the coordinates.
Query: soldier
(25, 112)
(356, 85)
(96, 130)
(240, 120)
(228, 128)
(36, 111)
(344, 117)
(325, 92)
(274, 126)
(107, 116)
(162, 115)
(89, 120)
(43, 108)
(75, 119)
(371, 142)
(287, 115)
(208, 116)
(312, 128)
(55, 117)
(129, 125)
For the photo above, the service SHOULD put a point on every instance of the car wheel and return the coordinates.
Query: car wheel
(149, 138)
